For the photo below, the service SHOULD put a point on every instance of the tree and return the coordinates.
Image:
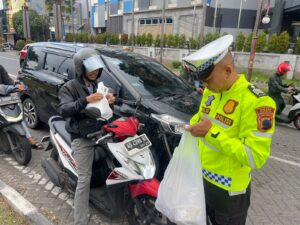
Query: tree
(247, 47)
(261, 42)
(272, 46)
(297, 49)
(39, 25)
(240, 41)
(157, 41)
(283, 42)
(149, 39)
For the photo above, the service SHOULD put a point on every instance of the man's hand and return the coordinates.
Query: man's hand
(110, 98)
(94, 97)
(199, 129)
(290, 89)
(20, 87)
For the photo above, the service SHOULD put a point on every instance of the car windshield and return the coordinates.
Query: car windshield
(148, 77)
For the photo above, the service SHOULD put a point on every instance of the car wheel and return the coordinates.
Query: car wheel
(30, 114)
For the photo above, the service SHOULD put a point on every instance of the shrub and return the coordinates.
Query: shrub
(132, 37)
(114, 39)
(261, 42)
(69, 37)
(100, 38)
(297, 48)
(170, 40)
(157, 41)
(143, 39)
(165, 40)
(192, 43)
(181, 41)
(124, 39)
(240, 41)
(138, 39)
(176, 40)
(149, 39)
(272, 46)
(20, 44)
(283, 42)
(176, 64)
(209, 37)
(247, 46)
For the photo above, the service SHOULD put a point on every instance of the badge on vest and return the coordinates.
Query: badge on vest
(265, 116)
(230, 106)
(224, 119)
(205, 110)
(256, 91)
(209, 100)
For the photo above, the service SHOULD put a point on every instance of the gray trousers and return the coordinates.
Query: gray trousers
(84, 156)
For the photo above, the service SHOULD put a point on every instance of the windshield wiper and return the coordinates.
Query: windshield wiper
(176, 96)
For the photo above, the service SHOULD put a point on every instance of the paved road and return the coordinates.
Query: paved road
(275, 188)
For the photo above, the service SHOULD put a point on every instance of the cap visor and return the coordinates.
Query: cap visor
(93, 63)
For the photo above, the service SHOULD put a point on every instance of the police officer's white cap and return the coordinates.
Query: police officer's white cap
(209, 55)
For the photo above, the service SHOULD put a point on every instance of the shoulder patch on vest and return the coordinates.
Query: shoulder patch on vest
(256, 91)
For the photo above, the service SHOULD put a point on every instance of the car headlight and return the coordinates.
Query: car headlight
(170, 123)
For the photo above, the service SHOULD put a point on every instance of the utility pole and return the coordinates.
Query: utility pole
(162, 30)
(202, 28)
(88, 20)
(215, 14)
(108, 20)
(26, 21)
(132, 24)
(57, 19)
(72, 19)
(194, 17)
(240, 12)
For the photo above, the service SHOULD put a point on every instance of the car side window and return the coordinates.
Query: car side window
(53, 62)
(34, 57)
(65, 67)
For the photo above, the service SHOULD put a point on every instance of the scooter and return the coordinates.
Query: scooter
(294, 112)
(12, 135)
(122, 181)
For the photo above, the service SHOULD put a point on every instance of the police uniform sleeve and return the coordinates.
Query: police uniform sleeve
(252, 146)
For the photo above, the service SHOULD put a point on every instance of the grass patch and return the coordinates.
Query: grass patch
(8, 216)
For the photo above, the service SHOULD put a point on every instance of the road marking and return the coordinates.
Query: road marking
(8, 58)
(285, 161)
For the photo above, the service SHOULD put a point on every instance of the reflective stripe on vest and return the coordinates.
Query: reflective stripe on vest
(226, 181)
(250, 156)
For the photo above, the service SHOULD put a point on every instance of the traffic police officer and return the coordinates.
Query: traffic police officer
(234, 124)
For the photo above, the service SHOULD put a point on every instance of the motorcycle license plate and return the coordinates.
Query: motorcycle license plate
(137, 144)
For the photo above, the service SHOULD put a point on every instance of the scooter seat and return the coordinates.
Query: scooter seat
(59, 126)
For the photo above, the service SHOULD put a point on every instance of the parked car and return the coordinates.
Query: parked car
(23, 54)
(144, 88)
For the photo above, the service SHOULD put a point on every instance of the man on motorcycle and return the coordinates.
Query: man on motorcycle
(276, 86)
(7, 86)
(74, 97)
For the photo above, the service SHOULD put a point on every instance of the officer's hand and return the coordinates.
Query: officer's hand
(199, 90)
(94, 97)
(20, 87)
(110, 98)
(290, 89)
(199, 129)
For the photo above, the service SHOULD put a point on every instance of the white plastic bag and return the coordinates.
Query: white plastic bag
(102, 105)
(181, 193)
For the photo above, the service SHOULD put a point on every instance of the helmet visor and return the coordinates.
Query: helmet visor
(93, 63)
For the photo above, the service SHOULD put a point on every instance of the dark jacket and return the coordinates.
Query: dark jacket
(6, 83)
(72, 97)
(276, 86)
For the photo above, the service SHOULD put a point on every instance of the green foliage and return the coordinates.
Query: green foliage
(176, 40)
(29, 41)
(149, 39)
(192, 43)
(247, 46)
(124, 39)
(100, 38)
(131, 38)
(165, 39)
(272, 46)
(20, 44)
(297, 48)
(81, 37)
(181, 41)
(69, 37)
(170, 40)
(138, 39)
(283, 42)
(176, 64)
(114, 39)
(157, 41)
(261, 42)
(143, 39)
(240, 41)
(39, 25)
(210, 36)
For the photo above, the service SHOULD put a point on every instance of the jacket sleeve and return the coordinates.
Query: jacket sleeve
(6, 89)
(276, 86)
(252, 146)
(69, 105)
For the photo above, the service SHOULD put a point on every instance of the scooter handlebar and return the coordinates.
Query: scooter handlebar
(94, 134)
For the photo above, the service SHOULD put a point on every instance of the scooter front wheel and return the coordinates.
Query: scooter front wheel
(297, 121)
(22, 149)
(141, 210)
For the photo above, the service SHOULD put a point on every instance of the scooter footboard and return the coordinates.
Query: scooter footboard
(147, 187)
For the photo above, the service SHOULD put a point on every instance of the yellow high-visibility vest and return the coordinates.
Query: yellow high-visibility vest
(239, 140)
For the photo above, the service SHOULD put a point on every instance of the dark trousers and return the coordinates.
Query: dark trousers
(223, 209)
(280, 104)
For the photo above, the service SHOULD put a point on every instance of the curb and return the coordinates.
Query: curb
(22, 206)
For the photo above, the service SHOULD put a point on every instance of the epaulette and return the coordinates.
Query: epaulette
(256, 91)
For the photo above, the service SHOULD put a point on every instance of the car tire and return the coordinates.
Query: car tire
(30, 114)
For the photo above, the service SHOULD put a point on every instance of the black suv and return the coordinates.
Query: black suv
(144, 88)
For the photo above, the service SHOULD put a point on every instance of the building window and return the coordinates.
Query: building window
(148, 21)
(142, 21)
(169, 20)
(155, 21)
